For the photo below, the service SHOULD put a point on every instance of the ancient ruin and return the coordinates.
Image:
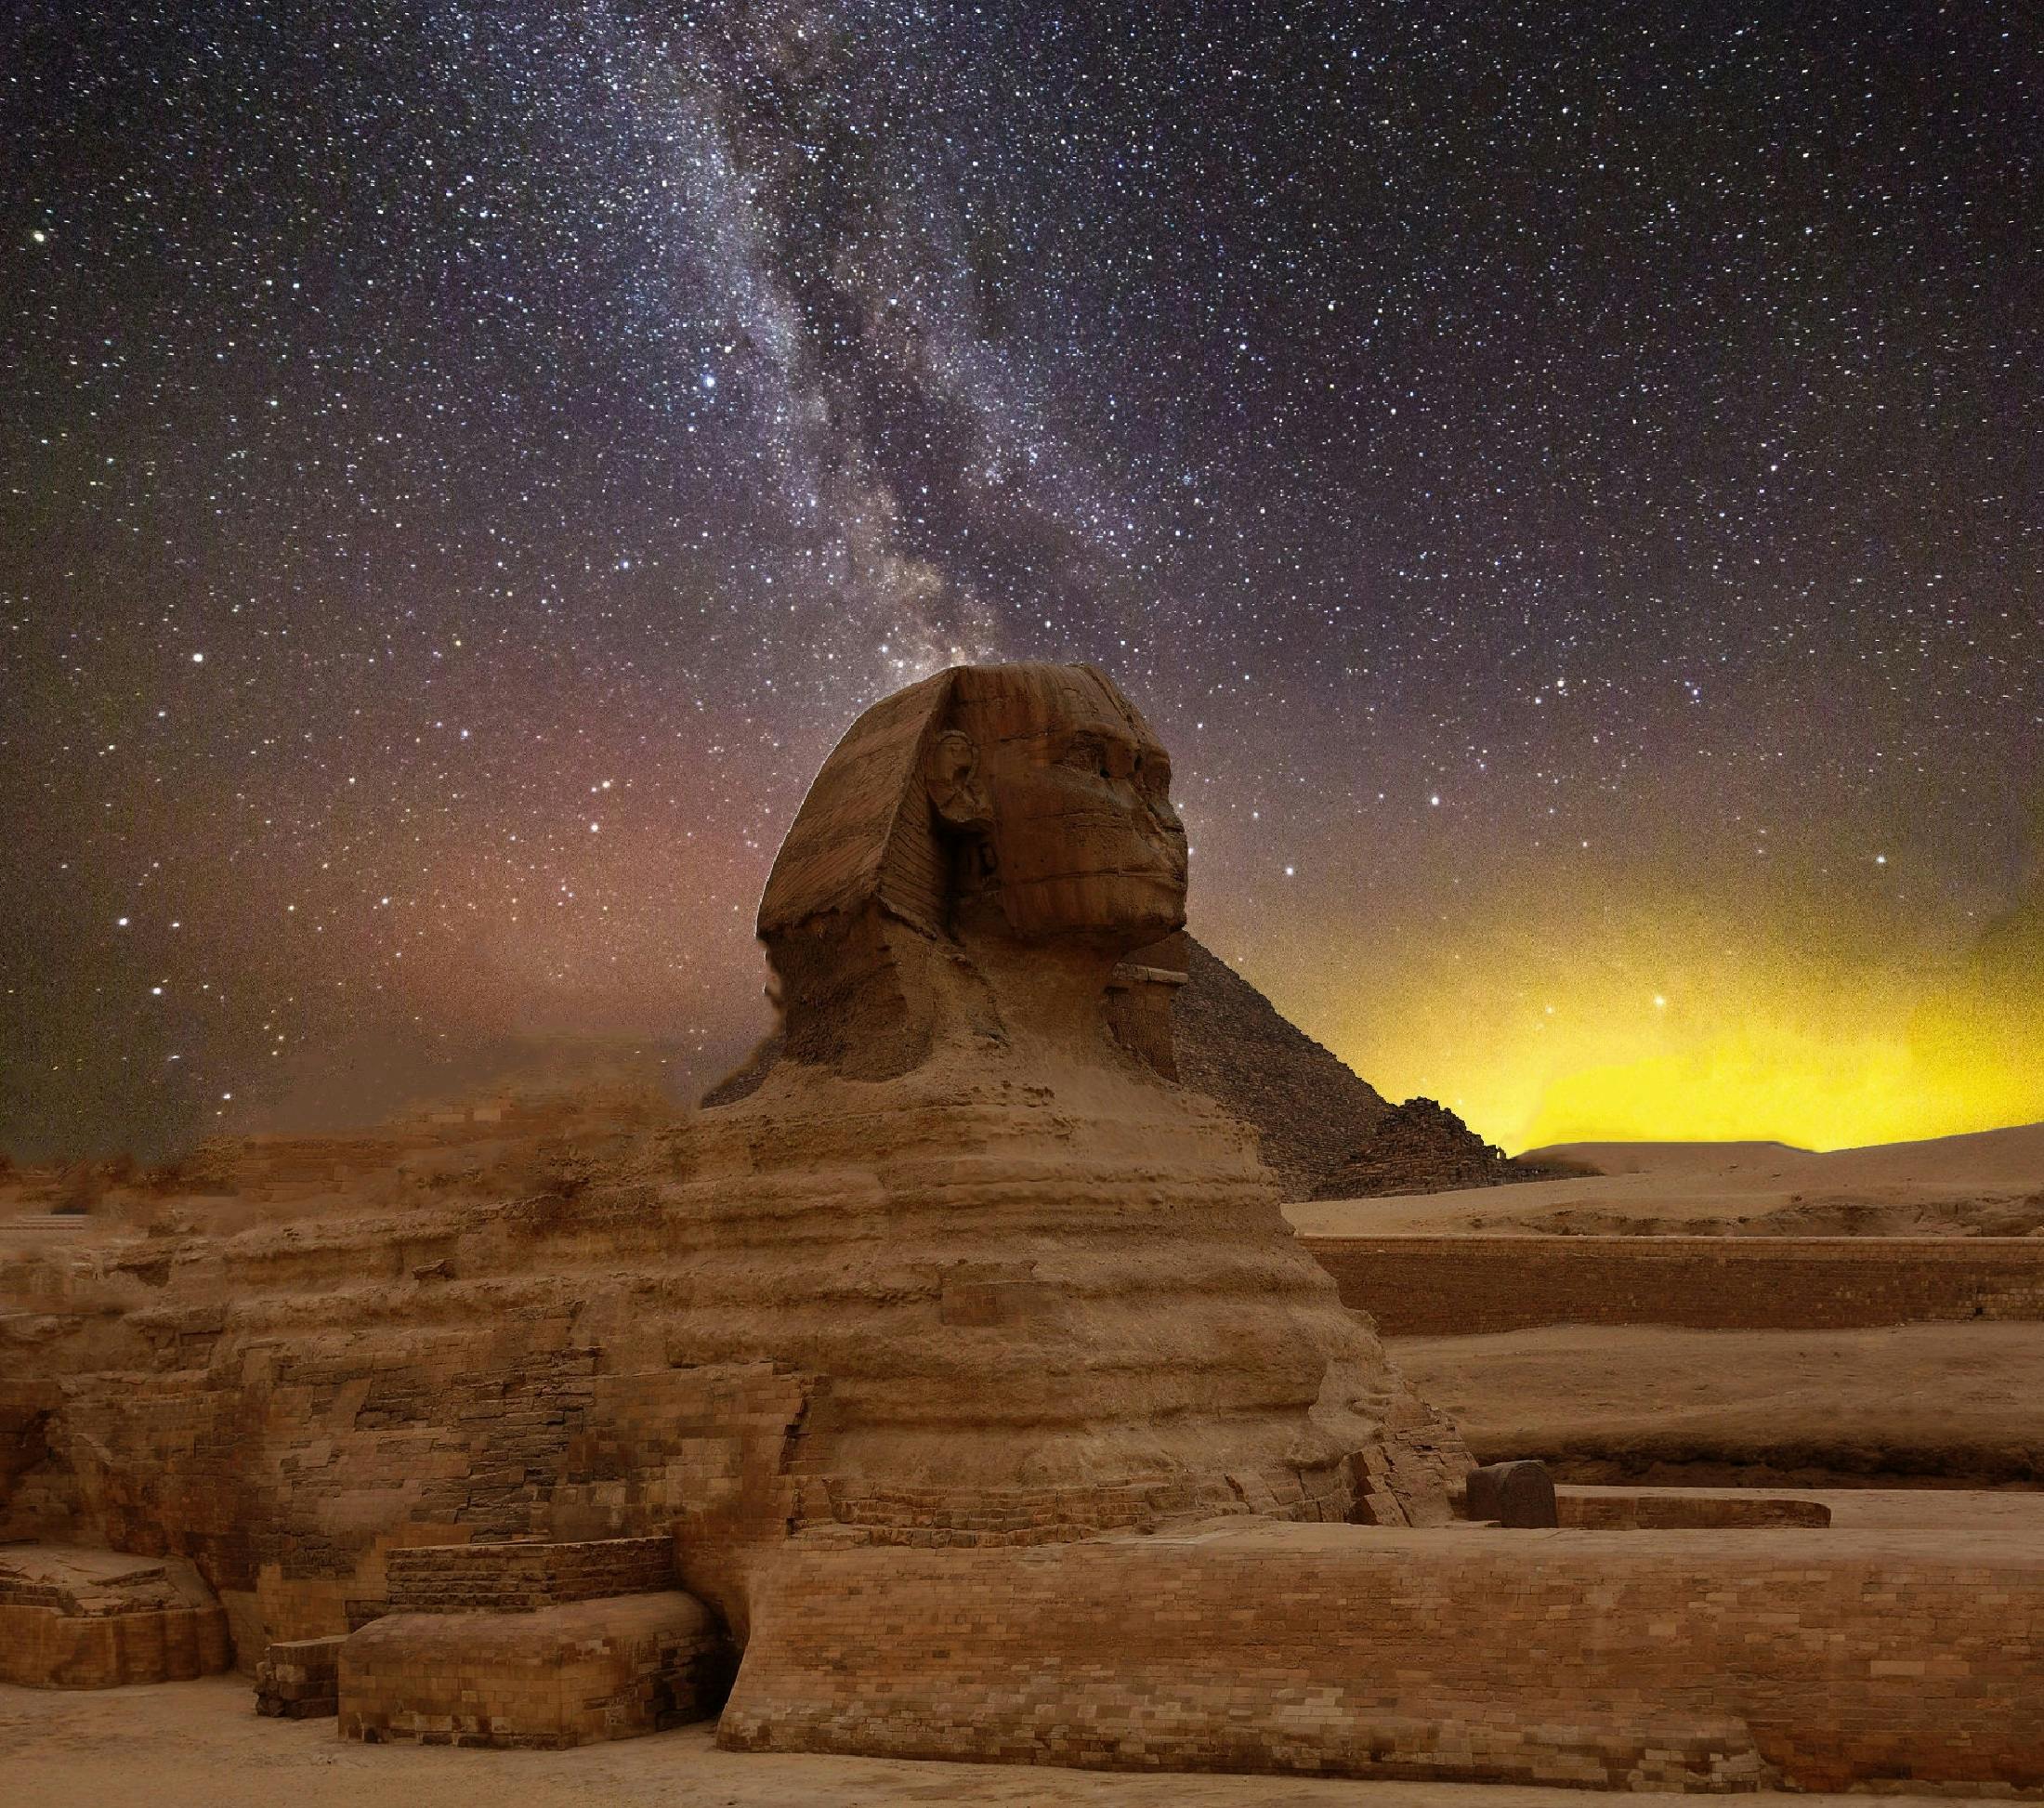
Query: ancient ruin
(1326, 1133)
(959, 1384)
(957, 926)
(966, 1268)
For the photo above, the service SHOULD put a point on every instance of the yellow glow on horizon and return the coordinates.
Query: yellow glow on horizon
(1775, 1085)
(1699, 1029)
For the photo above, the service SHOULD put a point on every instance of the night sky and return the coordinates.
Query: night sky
(1565, 483)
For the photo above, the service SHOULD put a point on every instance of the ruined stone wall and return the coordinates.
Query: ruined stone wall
(1659, 1660)
(1452, 1286)
(292, 1466)
(561, 1676)
(1667, 1509)
(519, 1577)
(89, 1620)
(43, 1648)
(299, 1679)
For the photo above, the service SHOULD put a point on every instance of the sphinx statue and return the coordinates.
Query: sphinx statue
(964, 1267)
(1052, 1291)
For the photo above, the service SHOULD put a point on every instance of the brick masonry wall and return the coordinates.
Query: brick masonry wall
(1642, 1660)
(560, 1676)
(1452, 1286)
(299, 1679)
(1610, 1510)
(519, 1577)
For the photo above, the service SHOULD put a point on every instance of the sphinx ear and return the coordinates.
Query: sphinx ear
(952, 774)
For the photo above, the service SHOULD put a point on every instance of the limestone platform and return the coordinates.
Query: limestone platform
(79, 1618)
(1687, 1660)
(576, 1674)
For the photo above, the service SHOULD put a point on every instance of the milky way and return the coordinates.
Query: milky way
(1567, 483)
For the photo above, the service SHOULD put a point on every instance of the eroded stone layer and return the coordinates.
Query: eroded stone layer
(1660, 1660)
(93, 1619)
(1049, 1298)
(974, 1315)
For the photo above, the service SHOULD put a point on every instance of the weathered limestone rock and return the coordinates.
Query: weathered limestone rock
(90, 1620)
(1114, 1294)
(966, 1269)
(1519, 1494)
(1322, 1130)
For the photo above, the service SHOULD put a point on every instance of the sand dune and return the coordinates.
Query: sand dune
(1667, 1158)
(1990, 1184)
(1986, 1157)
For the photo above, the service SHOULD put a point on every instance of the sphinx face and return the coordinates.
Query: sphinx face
(1081, 838)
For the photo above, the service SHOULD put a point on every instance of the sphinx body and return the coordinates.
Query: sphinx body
(965, 1267)
(1052, 1289)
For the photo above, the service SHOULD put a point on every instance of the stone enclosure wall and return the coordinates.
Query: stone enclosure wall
(520, 1577)
(1668, 1510)
(1686, 1660)
(1454, 1286)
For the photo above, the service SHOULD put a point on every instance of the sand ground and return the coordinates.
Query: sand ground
(1991, 1184)
(1955, 1401)
(200, 1744)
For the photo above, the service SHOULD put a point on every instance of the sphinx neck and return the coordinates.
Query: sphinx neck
(1050, 996)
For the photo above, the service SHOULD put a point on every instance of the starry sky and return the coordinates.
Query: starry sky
(1567, 483)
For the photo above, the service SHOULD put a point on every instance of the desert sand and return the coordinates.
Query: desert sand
(1950, 1403)
(1991, 1184)
(200, 1745)
(1947, 1403)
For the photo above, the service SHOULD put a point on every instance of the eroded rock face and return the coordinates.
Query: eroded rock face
(1040, 1277)
(967, 1268)
(92, 1619)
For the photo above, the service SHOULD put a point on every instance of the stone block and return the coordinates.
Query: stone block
(590, 1671)
(299, 1679)
(1516, 1494)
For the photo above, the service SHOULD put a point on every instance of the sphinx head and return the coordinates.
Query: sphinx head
(1057, 798)
(1024, 805)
